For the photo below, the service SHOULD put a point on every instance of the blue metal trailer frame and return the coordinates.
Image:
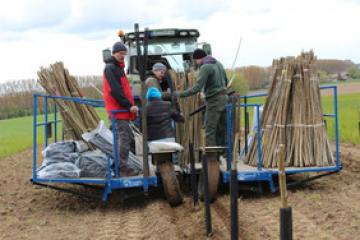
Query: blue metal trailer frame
(110, 182)
(265, 174)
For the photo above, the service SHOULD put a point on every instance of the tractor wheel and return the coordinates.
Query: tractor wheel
(170, 183)
(213, 180)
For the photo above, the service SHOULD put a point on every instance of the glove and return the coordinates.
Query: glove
(176, 94)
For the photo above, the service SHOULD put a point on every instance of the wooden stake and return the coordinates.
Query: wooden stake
(282, 175)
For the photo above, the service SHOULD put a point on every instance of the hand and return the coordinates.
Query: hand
(176, 94)
(134, 109)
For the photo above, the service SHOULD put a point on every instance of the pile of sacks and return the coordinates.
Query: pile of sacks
(74, 159)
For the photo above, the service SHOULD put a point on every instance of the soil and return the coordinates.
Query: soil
(327, 208)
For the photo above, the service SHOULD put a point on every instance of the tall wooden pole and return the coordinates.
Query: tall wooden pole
(285, 210)
(141, 67)
(206, 184)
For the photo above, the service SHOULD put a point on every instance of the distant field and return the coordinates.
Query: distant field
(346, 88)
(16, 133)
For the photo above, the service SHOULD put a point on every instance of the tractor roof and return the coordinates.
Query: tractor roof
(164, 33)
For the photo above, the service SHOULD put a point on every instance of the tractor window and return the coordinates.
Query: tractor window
(168, 47)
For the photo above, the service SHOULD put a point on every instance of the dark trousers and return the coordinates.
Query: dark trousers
(125, 137)
(215, 120)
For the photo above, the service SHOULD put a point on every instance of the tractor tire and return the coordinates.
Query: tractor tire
(213, 180)
(170, 184)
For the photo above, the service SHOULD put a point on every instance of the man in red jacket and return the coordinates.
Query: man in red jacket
(118, 96)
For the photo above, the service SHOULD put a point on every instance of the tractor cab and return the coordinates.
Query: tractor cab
(172, 47)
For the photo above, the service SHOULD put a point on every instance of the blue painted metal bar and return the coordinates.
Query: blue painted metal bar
(229, 139)
(86, 101)
(55, 122)
(329, 115)
(123, 182)
(260, 163)
(107, 189)
(108, 167)
(309, 169)
(255, 95)
(46, 120)
(327, 87)
(34, 136)
(247, 105)
(336, 127)
(73, 180)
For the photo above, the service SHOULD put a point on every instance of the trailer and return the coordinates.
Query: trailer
(113, 180)
(246, 173)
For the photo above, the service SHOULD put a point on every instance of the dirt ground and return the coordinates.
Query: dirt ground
(327, 208)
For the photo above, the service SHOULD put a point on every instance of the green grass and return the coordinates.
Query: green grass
(16, 134)
(349, 114)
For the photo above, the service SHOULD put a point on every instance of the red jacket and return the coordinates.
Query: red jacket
(117, 90)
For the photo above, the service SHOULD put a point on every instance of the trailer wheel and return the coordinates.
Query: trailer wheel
(213, 180)
(170, 183)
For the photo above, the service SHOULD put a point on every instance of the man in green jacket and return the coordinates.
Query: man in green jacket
(212, 79)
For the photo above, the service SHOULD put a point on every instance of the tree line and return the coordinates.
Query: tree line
(16, 97)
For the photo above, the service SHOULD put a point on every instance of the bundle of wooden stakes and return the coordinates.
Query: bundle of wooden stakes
(188, 132)
(292, 116)
(78, 118)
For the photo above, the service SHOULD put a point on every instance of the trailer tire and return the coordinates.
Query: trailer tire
(213, 180)
(170, 184)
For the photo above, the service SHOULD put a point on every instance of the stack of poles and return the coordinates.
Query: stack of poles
(77, 118)
(293, 115)
(188, 132)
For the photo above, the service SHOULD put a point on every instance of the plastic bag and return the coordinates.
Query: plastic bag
(102, 139)
(64, 147)
(59, 170)
(159, 146)
(61, 158)
(92, 164)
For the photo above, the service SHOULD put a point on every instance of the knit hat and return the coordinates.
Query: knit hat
(199, 54)
(153, 93)
(118, 46)
(159, 67)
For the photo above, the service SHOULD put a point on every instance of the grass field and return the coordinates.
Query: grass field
(349, 117)
(16, 134)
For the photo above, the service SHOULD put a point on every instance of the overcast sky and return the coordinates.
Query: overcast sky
(35, 33)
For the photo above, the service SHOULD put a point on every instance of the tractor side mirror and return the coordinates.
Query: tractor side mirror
(106, 53)
(207, 48)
